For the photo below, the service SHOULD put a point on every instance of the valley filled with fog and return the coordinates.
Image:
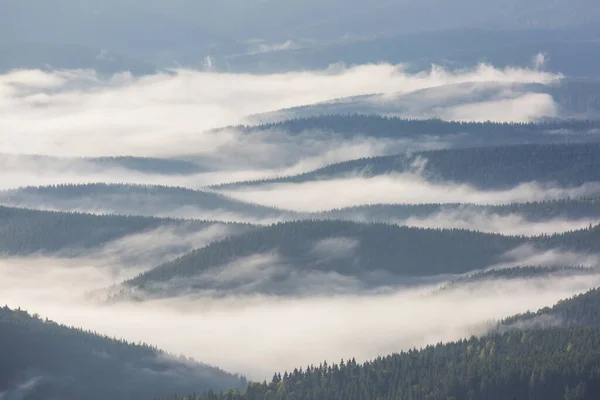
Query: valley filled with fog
(201, 217)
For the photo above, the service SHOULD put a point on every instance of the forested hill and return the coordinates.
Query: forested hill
(548, 364)
(551, 354)
(285, 256)
(520, 272)
(378, 126)
(583, 309)
(135, 200)
(24, 231)
(572, 99)
(582, 240)
(44, 360)
(288, 258)
(148, 165)
(571, 209)
(483, 167)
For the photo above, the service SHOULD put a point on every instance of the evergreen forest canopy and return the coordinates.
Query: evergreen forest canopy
(375, 254)
(26, 232)
(375, 125)
(566, 165)
(269, 299)
(575, 99)
(551, 353)
(130, 199)
(514, 361)
(471, 280)
(535, 211)
(58, 361)
(554, 363)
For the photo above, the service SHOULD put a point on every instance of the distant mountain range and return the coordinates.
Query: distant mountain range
(142, 36)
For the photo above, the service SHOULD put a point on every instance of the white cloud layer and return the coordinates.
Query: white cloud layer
(510, 224)
(79, 113)
(408, 188)
(234, 332)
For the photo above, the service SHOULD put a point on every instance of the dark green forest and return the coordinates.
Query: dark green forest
(149, 165)
(380, 126)
(512, 362)
(583, 309)
(483, 167)
(41, 359)
(535, 211)
(575, 99)
(397, 252)
(24, 231)
(556, 363)
(519, 272)
(376, 253)
(105, 98)
(130, 199)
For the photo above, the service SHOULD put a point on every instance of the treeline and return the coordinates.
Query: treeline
(42, 359)
(579, 208)
(167, 166)
(393, 127)
(131, 199)
(24, 231)
(560, 362)
(348, 248)
(557, 363)
(583, 309)
(518, 272)
(375, 253)
(484, 167)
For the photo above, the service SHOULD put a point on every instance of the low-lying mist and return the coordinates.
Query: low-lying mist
(248, 157)
(80, 113)
(235, 331)
(407, 188)
(509, 224)
(466, 101)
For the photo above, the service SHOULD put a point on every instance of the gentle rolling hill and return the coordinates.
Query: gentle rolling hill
(564, 99)
(28, 232)
(486, 168)
(145, 200)
(354, 124)
(551, 354)
(143, 165)
(303, 257)
(536, 211)
(42, 359)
